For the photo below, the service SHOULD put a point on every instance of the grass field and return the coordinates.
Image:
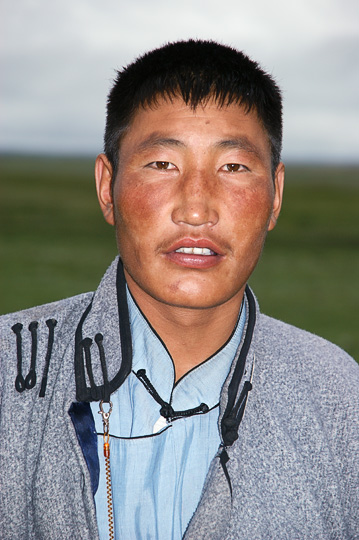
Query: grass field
(54, 243)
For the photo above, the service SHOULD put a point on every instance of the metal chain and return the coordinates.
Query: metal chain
(106, 453)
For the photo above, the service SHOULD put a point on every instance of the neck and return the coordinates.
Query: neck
(191, 335)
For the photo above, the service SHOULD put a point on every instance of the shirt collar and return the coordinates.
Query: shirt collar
(202, 384)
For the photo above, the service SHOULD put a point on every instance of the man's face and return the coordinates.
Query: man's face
(193, 200)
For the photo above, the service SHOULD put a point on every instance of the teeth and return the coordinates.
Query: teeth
(195, 251)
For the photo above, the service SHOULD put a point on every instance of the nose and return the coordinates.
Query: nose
(196, 203)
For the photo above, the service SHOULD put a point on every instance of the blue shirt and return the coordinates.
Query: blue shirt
(158, 468)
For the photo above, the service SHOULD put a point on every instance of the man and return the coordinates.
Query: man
(216, 422)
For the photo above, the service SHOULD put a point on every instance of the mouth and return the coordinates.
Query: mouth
(192, 253)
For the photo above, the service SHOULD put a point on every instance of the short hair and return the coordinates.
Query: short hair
(195, 71)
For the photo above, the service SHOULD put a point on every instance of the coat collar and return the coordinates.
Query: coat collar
(103, 351)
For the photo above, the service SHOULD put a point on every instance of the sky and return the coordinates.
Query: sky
(58, 59)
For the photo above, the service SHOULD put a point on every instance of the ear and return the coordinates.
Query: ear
(278, 195)
(103, 176)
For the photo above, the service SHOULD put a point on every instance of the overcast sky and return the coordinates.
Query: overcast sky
(58, 59)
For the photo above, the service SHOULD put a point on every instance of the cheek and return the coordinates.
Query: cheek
(137, 209)
(251, 210)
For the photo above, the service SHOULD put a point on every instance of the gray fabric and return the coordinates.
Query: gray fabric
(293, 468)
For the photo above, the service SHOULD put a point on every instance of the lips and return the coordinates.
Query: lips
(188, 243)
(194, 253)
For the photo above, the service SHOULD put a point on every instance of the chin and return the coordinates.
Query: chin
(194, 298)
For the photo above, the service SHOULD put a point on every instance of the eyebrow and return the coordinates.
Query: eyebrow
(158, 141)
(240, 143)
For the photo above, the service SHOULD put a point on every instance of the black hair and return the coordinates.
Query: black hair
(196, 71)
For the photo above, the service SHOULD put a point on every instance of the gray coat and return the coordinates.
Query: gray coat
(293, 469)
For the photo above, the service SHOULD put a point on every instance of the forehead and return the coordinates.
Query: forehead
(206, 125)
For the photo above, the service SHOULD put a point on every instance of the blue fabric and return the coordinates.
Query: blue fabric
(158, 472)
(82, 418)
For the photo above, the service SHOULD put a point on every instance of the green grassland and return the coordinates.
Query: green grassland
(54, 243)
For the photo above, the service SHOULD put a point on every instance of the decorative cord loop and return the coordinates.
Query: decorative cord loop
(101, 350)
(50, 323)
(86, 345)
(92, 392)
(230, 424)
(167, 410)
(29, 381)
(234, 411)
(19, 381)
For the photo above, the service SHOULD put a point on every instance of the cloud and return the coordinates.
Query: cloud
(58, 59)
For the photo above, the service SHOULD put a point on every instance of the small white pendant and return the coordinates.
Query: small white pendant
(160, 424)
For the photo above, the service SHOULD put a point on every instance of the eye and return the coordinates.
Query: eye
(234, 167)
(162, 165)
